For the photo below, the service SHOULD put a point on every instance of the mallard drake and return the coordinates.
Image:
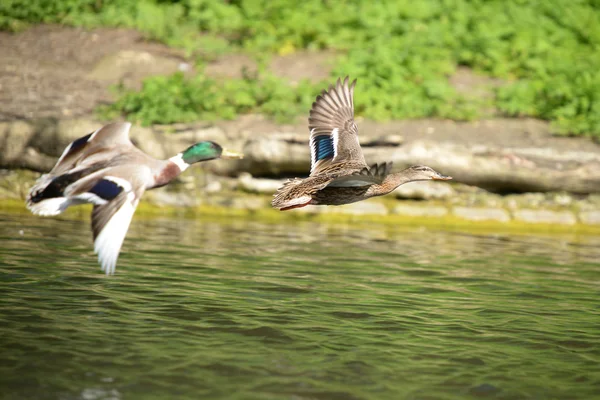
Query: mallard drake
(105, 169)
(339, 174)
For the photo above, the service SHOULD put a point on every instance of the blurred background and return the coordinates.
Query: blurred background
(484, 287)
(502, 95)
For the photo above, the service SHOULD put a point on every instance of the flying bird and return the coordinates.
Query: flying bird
(339, 173)
(105, 169)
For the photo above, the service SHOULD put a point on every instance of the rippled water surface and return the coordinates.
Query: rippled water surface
(245, 310)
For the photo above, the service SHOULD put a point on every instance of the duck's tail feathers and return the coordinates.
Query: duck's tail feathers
(282, 197)
(43, 200)
(48, 196)
(49, 207)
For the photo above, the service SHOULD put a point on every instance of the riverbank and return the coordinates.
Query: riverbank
(507, 171)
(495, 187)
(474, 212)
(513, 174)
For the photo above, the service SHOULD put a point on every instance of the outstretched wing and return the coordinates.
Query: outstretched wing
(333, 132)
(110, 223)
(111, 136)
(115, 199)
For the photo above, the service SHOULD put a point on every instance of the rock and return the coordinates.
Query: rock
(562, 199)
(15, 184)
(525, 199)
(482, 214)
(16, 136)
(213, 187)
(36, 161)
(274, 156)
(494, 169)
(492, 201)
(545, 216)
(240, 202)
(273, 150)
(253, 185)
(590, 217)
(594, 199)
(171, 198)
(420, 211)
(62, 132)
(387, 140)
(311, 209)
(512, 204)
(424, 191)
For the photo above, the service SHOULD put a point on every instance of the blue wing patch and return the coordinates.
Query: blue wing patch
(324, 147)
(106, 189)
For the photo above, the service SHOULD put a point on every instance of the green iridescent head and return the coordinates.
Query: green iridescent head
(207, 150)
(201, 151)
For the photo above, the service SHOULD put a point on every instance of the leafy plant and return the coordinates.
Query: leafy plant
(168, 99)
(402, 52)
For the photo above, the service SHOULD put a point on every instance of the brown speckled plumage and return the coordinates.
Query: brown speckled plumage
(339, 174)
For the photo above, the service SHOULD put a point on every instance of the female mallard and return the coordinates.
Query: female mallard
(339, 173)
(105, 169)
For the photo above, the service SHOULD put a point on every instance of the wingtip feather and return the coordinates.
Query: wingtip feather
(49, 207)
(109, 240)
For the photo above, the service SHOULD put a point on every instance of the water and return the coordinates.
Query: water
(245, 310)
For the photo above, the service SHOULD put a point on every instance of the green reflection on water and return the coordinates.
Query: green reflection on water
(244, 310)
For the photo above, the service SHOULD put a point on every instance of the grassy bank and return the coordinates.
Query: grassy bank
(401, 51)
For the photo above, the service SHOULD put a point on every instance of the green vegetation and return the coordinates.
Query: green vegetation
(168, 99)
(402, 52)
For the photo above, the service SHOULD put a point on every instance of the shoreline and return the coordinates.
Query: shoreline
(200, 195)
(451, 223)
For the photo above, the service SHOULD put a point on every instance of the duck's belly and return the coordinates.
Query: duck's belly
(336, 196)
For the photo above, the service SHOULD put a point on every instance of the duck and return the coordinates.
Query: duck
(339, 173)
(104, 168)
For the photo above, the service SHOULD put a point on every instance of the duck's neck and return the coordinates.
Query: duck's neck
(173, 167)
(391, 182)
